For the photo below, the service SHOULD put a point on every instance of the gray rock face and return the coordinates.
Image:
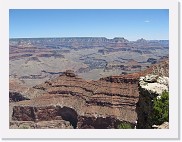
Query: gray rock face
(150, 78)
(154, 84)
(150, 87)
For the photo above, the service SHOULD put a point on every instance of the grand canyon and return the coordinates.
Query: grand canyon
(85, 82)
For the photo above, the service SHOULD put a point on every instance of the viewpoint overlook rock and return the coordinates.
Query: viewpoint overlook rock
(68, 101)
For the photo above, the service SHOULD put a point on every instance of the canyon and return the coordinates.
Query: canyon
(80, 83)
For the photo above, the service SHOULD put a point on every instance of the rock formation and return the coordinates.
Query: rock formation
(164, 125)
(86, 42)
(69, 101)
(93, 104)
(150, 88)
(17, 89)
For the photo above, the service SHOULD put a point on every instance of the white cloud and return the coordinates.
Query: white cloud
(147, 21)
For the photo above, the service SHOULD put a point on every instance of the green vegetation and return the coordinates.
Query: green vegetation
(124, 125)
(161, 109)
(24, 127)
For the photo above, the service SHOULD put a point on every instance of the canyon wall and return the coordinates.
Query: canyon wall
(84, 104)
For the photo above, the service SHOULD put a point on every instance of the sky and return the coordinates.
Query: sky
(131, 24)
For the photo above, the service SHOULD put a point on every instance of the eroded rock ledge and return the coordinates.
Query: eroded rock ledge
(150, 87)
(84, 104)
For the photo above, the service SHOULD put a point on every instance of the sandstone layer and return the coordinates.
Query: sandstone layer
(89, 104)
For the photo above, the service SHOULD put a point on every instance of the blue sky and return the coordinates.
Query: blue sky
(130, 24)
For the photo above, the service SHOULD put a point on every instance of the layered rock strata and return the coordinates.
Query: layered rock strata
(90, 104)
(85, 104)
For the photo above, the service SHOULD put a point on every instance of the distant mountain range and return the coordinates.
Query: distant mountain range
(87, 42)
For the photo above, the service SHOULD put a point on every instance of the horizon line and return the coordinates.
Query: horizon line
(82, 37)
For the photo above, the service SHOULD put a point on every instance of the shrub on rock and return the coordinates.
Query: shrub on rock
(161, 109)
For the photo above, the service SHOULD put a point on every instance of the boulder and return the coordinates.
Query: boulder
(70, 73)
(151, 78)
(164, 125)
(154, 84)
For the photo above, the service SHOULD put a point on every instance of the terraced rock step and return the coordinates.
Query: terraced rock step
(73, 98)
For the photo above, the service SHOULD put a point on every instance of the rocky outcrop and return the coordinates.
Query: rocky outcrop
(164, 125)
(85, 104)
(17, 89)
(159, 69)
(39, 115)
(154, 84)
(70, 73)
(150, 88)
(46, 113)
